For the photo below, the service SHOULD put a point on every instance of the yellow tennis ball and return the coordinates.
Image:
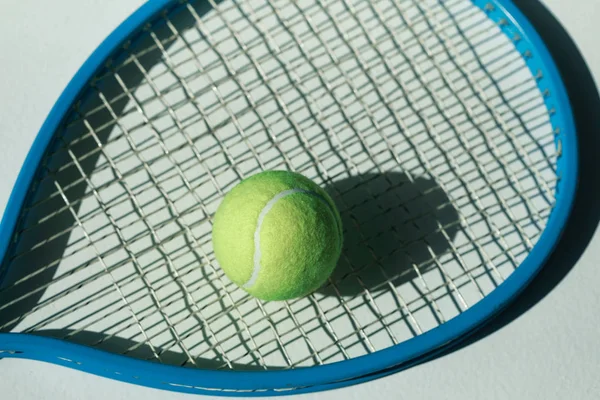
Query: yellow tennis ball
(277, 235)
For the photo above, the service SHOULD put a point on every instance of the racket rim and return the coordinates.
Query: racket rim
(340, 373)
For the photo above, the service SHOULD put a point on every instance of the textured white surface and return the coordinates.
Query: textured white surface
(552, 352)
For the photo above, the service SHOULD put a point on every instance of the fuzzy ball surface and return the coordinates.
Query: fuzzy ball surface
(277, 235)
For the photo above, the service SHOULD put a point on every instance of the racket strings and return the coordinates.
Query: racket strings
(175, 86)
(379, 234)
(92, 216)
(161, 179)
(339, 90)
(498, 118)
(249, 45)
(94, 151)
(166, 178)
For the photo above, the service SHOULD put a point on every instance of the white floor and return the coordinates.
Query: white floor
(553, 351)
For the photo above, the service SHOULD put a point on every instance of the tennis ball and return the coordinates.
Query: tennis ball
(277, 235)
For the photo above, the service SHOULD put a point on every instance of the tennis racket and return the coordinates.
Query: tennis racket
(441, 129)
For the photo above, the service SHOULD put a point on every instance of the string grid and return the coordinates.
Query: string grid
(419, 118)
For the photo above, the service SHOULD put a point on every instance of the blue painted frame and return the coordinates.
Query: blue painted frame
(328, 376)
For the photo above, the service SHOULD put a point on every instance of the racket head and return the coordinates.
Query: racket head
(513, 24)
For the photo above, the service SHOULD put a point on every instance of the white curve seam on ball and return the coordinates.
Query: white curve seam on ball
(261, 218)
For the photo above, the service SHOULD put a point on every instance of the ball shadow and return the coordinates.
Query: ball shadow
(393, 226)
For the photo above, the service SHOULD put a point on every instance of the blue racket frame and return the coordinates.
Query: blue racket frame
(343, 373)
